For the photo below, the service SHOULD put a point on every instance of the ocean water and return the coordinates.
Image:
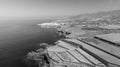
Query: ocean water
(16, 40)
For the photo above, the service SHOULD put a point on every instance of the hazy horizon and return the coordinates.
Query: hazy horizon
(12, 9)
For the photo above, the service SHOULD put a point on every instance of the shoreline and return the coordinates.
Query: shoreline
(82, 31)
(50, 45)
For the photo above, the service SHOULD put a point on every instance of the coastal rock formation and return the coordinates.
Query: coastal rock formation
(86, 52)
(39, 57)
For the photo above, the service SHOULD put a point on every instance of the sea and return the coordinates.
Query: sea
(17, 38)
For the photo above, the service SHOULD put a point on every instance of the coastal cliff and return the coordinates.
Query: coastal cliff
(80, 36)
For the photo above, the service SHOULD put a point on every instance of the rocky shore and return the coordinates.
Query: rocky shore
(82, 30)
(39, 57)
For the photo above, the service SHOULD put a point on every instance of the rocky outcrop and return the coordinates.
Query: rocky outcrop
(39, 57)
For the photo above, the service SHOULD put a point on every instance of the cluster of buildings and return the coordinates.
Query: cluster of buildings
(49, 24)
(53, 24)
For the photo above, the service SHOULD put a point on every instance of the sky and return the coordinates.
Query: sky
(45, 8)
